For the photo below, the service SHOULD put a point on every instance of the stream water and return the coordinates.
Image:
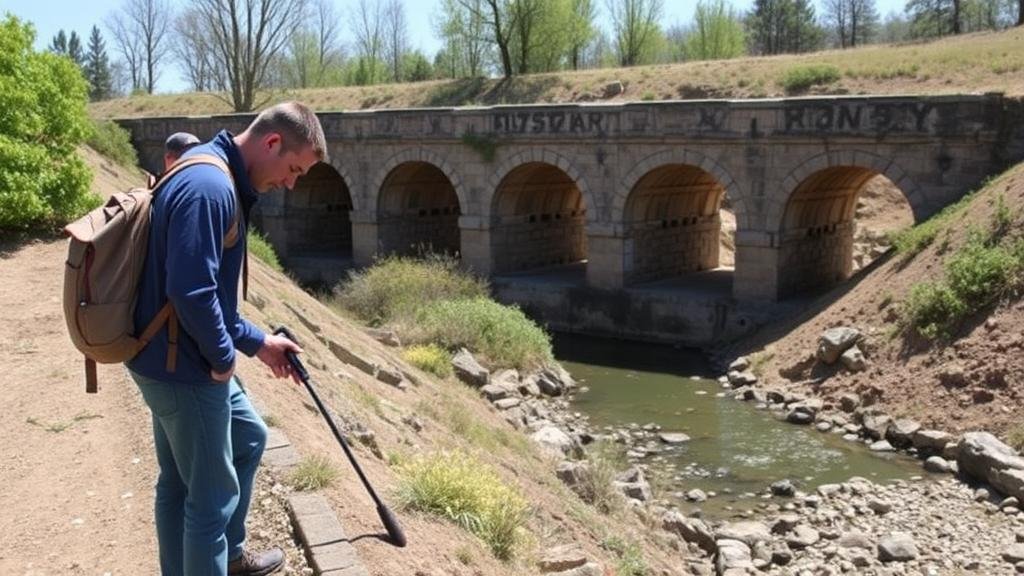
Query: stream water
(735, 449)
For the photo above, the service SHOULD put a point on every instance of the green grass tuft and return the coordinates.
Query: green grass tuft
(800, 78)
(314, 473)
(461, 489)
(430, 358)
(261, 248)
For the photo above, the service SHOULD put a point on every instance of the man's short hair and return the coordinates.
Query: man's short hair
(297, 125)
(179, 142)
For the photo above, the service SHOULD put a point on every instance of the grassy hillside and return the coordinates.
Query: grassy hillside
(982, 62)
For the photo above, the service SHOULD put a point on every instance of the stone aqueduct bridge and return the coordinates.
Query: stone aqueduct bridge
(618, 205)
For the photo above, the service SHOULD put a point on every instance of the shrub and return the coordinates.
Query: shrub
(597, 488)
(979, 274)
(261, 248)
(931, 308)
(430, 358)
(114, 142)
(502, 334)
(397, 287)
(313, 473)
(801, 78)
(42, 181)
(467, 492)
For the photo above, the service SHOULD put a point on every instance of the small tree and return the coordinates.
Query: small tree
(42, 181)
(717, 32)
(97, 68)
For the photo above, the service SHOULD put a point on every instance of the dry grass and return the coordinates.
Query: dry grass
(981, 62)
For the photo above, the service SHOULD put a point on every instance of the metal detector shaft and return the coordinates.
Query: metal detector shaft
(386, 516)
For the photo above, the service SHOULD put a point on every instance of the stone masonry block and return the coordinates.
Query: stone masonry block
(282, 457)
(337, 556)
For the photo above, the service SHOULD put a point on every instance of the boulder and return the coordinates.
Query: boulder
(552, 440)
(849, 402)
(897, 547)
(802, 536)
(469, 370)
(737, 378)
(876, 425)
(901, 432)
(732, 556)
(747, 532)
(984, 457)
(740, 364)
(384, 336)
(689, 529)
(673, 437)
(494, 392)
(783, 488)
(561, 558)
(937, 464)
(853, 359)
(930, 441)
(834, 341)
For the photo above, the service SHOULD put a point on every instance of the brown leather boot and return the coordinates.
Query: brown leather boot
(257, 563)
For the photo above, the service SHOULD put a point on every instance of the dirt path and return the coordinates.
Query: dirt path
(77, 470)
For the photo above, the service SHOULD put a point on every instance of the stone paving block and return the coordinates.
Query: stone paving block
(356, 570)
(314, 520)
(337, 556)
(282, 457)
(276, 439)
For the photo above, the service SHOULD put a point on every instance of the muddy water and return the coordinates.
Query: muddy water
(734, 449)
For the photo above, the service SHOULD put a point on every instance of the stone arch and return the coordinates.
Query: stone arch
(317, 214)
(542, 156)
(416, 155)
(538, 217)
(417, 211)
(815, 219)
(776, 208)
(678, 156)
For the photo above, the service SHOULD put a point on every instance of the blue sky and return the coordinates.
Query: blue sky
(50, 16)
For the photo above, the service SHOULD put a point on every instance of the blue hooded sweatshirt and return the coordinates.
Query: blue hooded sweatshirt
(188, 263)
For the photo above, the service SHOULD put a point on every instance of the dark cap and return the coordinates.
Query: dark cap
(178, 142)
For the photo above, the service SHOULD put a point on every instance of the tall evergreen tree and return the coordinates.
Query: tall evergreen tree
(75, 51)
(782, 26)
(97, 68)
(59, 45)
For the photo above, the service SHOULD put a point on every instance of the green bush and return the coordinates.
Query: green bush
(261, 248)
(42, 120)
(397, 287)
(979, 274)
(430, 358)
(932, 308)
(798, 79)
(975, 277)
(467, 492)
(114, 142)
(502, 334)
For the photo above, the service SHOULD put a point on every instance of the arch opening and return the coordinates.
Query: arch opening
(538, 220)
(317, 214)
(837, 221)
(418, 211)
(672, 224)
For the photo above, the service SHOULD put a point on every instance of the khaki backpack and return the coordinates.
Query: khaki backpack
(106, 252)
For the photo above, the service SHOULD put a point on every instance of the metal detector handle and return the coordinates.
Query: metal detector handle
(292, 357)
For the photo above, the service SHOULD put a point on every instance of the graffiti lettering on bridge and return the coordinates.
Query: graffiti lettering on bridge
(549, 123)
(880, 118)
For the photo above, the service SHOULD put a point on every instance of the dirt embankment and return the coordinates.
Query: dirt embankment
(968, 382)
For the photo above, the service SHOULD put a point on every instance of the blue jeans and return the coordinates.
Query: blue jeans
(209, 441)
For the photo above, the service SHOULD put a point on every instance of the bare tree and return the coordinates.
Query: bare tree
(367, 22)
(140, 32)
(247, 35)
(195, 51)
(634, 25)
(129, 46)
(314, 47)
(396, 36)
